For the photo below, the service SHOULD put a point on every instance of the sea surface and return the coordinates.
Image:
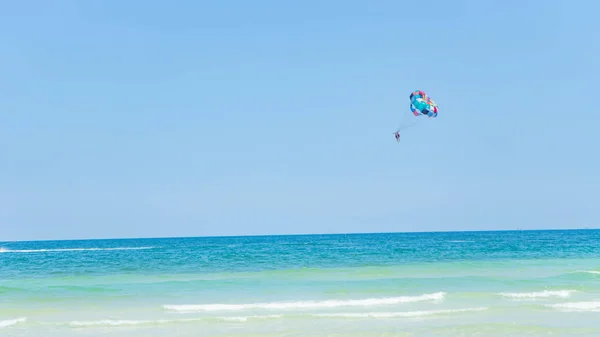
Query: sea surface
(506, 283)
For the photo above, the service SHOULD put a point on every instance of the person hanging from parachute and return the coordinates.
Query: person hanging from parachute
(420, 105)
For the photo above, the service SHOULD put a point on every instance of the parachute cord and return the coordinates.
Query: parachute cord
(405, 124)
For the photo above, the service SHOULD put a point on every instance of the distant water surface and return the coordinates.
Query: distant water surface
(513, 283)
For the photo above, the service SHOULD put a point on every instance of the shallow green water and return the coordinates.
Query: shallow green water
(521, 283)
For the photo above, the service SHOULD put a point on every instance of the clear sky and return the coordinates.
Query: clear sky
(191, 118)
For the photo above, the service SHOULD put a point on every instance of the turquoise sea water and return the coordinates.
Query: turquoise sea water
(519, 283)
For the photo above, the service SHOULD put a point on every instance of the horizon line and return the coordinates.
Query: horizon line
(305, 234)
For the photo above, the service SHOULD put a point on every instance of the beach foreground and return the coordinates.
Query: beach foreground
(520, 283)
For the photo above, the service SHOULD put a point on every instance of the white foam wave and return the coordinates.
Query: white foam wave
(10, 322)
(307, 304)
(593, 306)
(242, 319)
(595, 272)
(5, 250)
(246, 318)
(117, 323)
(400, 314)
(108, 322)
(539, 294)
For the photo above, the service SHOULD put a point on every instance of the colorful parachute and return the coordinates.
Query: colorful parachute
(420, 105)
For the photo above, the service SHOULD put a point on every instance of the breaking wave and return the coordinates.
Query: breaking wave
(308, 304)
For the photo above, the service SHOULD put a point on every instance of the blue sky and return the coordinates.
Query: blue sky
(191, 118)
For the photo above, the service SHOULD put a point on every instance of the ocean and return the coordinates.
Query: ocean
(504, 283)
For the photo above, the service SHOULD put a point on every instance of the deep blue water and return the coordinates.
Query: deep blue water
(530, 283)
